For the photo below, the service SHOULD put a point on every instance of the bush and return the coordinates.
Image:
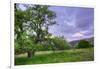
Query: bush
(84, 44)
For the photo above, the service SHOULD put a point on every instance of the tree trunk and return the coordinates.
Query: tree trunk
(30, 54)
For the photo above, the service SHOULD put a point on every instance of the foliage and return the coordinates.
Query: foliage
(17, 48)
(83, 44)
(33, 22)
(60, 43)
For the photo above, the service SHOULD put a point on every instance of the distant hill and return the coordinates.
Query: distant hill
(75, 42)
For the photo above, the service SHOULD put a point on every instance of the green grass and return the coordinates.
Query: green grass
(45, 57)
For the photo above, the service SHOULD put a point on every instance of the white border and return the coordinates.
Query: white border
(74, 3)
(77, 3)
(12, 35)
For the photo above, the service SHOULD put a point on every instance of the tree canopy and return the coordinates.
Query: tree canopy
(31, 25)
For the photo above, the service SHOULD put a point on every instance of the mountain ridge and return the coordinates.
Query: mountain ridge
(75, 42)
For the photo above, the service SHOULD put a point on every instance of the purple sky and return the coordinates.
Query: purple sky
(73, 22)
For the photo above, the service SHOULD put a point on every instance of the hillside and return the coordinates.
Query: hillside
(75, 42)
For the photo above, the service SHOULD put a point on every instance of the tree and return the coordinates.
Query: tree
(84, 44)
(34, 22)
(60, 43)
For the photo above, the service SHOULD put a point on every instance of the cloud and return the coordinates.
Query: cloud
(84, 31)
(78, 34)
(73, 22)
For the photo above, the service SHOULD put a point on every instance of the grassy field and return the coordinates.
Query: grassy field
(45, 57)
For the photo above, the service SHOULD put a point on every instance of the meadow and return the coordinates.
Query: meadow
(44, 57)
